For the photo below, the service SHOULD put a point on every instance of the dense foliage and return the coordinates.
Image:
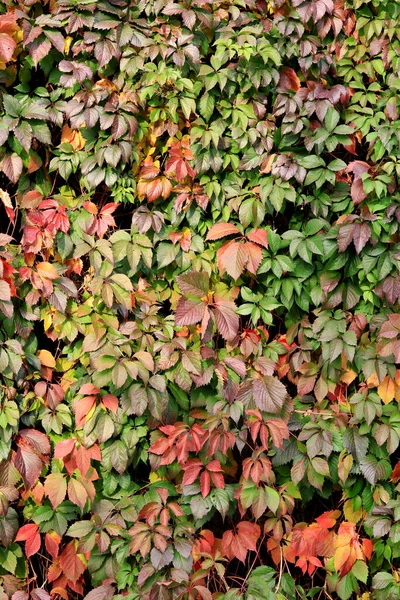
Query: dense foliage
(199, 296)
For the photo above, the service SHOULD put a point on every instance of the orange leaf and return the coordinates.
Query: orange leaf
(46, 270)
(46, 358)
(221, 230)
(386, 389)
(73, 137)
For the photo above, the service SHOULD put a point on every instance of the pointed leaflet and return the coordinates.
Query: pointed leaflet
(29, 458)
(71, 563)
(12, 165)
(254, 254)
(345, 236)
(269, 394)
(233, 258)
(31, 536)
(221, 230)
(55, 488)
(5, 198)
(236, 545)
(77, 493)
(226, 319)
(194, 283)
(361, 235)
(258, 236)
(7, 46)
(189, 312)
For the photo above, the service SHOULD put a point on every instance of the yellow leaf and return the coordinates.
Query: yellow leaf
(386, 389)
(353, 516)
(154, 477)
(373, 380)
(348, 377)
(46, 358)
(67, 44)
(342, 553)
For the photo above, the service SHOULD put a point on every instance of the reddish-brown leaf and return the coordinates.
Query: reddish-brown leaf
(189, 312)
(71, 564)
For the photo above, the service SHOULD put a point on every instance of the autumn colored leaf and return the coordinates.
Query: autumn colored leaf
(31, 536)
(236, 544)
(221, 230)
(71, 563)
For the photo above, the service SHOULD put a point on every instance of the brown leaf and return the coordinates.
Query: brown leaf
(269, 394)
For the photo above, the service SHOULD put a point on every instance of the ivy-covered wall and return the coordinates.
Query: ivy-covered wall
(199, 299)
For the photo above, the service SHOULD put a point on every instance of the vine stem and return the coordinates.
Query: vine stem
(257, 556)
(278, 585)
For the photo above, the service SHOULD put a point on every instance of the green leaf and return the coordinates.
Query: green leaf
(206, 105)
(360, 571)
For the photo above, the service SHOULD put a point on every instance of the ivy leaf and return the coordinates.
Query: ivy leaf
(194, 283)
(55, 487)
(31, 536)
(269, 394)
(7, 46)
(233, 258)
(221, 230)
(189, 312)
(72, 565)
(226, 319)
(12, 165)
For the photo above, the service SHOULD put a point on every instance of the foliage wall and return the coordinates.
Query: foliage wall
(199, 296)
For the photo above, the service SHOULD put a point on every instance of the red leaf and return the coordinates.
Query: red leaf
(249, 534)
(254, 253)
(82, 408)
(221, 230)
(205, 483)
(31, 536)
(237, 545)
(269, 394)
(71, 564)
(52, 542)
(288, 79)
(111, 402)
(38, 440)
(258, 236)
(192, 469)
(361, 235)
(64, 448)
